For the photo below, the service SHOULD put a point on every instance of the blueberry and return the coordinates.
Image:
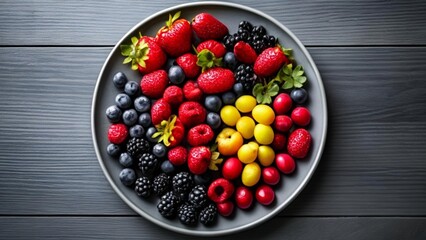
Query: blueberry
(238, 89)
(176, 75)
(159, 150)
(113, 150)
(145, 120)
(130, 117)
(170, 62)
(132, 88)
(125, 159)
(137, 131)
(213, 120)
(202, 179)
(123, 101)
(127, 176)
(213, 103)
(119, 80)
(149, 133)
(230, 61)
(113, 113)
(299, 95)
(228, 98)
(142, 104)
(167, 167)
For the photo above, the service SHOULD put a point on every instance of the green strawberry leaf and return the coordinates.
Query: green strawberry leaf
(273, 91)
(126, 50)
(207, 59)
(172, 19)
(288, 85)
(264, 93)
(292, 78)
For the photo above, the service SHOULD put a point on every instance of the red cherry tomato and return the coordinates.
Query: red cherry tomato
(232, 168)
(225, 209)
(265, 195)
(301, 116)
(282, 103)
(285, 163)
(271, 175)
(243, 197)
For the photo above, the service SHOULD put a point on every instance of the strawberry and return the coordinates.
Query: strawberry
(144, 54)
(173, 95)
(177, 155)
(192, 92)
(175, 38)
(216, 80)
(188, 63)
(244, 53)
(160, 111)
(199, 159)
(299, 143)
(153, 84)
(191, 113)
(200, 135)
(269, 62)
(117, 133)
(208, 27)
(171, 132)
(217, 48)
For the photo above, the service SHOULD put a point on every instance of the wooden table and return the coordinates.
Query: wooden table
(371, 181)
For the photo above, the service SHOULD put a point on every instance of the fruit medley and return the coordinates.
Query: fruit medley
(214, 122)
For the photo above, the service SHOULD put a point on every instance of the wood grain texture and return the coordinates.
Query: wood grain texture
(325, 22)
(279, 228)
(373, 164)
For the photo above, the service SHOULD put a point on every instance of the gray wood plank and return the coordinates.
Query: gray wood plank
(278, 228)
(373, 165)
(325, 22)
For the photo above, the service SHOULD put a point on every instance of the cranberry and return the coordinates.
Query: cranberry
(301, 116)
(232, 168)
(285, 163)
(225, 209)
(271, 175)
(279, 142)
(243, 197)
(282, 103)
(265, 195)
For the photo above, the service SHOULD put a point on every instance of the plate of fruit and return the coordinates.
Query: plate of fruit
(209, 118)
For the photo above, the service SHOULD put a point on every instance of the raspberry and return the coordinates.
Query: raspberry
(220, 190)
(200, 135)
(177, 155)
(191, 113)
(117, 133)
(173, 95)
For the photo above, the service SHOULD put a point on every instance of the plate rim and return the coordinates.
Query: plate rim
(282, 205)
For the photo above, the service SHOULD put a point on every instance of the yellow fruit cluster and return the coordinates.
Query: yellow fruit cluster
(248, 120)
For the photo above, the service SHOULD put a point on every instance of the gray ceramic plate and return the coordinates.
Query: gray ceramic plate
(231, 15)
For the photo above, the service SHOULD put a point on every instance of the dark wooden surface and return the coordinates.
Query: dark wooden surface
(371, 181)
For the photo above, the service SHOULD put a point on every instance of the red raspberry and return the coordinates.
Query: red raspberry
(220, 190)
(200, 135)
(191, 113)
(117, 133)
(192, 92)
(160, 111)
(177, 155)
(173, 95)
(199, 159)
(301, 116)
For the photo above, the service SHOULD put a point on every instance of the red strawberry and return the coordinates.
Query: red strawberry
(153, 84)
(188, 63)
(192, 92)
(217, 48)
(144, 54)
(178, 133)
(117, 133)
(200, 135)
(220, 190)
(199, 159)
(216, 80)
(191, 113)
(299, 143)
(170, 131)
(269, 62)
(176, 37)
(208, 27)
(177, 155)
(160, 111)
(244, 53)
(173, 95)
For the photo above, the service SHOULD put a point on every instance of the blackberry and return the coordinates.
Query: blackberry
(168, 205)
(245, 75)
(229, 42)
(187, 214)
(198, 196)
(143, 187)
(208, 214)
(182, 183)
(161, 184)
(259, 30)
(148, 163)
(137, 146)
(245, 25)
